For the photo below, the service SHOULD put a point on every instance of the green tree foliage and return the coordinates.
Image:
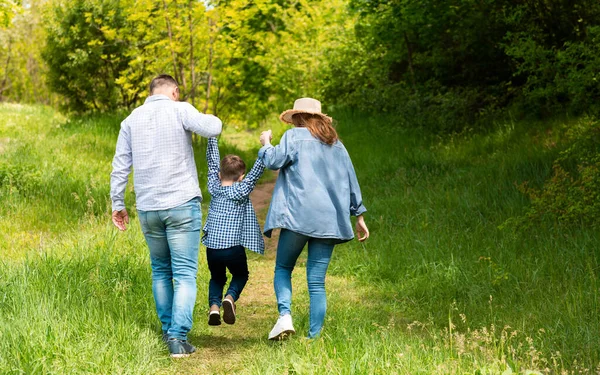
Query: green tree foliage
(163, 37)
(21, 66)
(84, 55)
(239, 59)
(465, 56)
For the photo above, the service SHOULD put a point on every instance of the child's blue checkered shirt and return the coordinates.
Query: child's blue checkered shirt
(231, 219)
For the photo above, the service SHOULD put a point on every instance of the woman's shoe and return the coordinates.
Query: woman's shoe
(283, 328)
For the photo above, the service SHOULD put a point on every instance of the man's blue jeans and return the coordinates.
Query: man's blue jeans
(173, 237)
(319, 254)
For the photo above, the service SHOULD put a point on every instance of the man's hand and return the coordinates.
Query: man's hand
(120, 219)
(265, 137)
(361, 228)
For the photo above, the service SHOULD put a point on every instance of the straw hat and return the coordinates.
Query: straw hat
(304, 105)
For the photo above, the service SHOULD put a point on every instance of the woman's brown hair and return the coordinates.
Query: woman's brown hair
(318, 126)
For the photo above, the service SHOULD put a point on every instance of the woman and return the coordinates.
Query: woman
(315, 194)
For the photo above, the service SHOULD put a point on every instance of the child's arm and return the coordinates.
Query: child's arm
(243, 188)
(213, 159)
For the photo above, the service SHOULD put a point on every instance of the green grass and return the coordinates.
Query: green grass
(438, 288)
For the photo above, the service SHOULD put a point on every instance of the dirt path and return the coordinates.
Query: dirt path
(221, 349)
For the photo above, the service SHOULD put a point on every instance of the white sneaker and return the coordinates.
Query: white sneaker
(283, 328)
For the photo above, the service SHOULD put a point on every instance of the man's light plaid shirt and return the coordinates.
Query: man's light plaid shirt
(156, 140)
(231, 219)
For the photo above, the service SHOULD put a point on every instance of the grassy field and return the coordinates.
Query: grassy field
(438, 288)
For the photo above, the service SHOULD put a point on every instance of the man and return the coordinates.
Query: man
(156, 139)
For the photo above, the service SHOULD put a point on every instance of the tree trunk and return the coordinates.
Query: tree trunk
(410, 61)
(176, 70)
(4, 86)
(210, 64)
(192, 93)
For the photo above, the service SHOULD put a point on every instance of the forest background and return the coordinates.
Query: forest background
(473, 125)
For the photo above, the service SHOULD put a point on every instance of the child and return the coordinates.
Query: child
(230, 227)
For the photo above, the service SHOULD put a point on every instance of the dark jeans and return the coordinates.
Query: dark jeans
(220, 260)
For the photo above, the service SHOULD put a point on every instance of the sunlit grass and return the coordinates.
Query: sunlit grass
(438, 288)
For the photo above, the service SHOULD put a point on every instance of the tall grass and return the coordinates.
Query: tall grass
(435, 211)
(438, 288)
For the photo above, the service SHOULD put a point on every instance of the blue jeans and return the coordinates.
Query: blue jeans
(319, 254)
(219, 260)
(173, 237)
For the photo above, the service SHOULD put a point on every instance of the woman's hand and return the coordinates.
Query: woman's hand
(265, 137)
(361, 228)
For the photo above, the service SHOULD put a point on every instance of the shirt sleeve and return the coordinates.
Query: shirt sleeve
(200, 123)
(242, 189)
(276, 157)
(213, 159)
(121, 168)
(356, 202)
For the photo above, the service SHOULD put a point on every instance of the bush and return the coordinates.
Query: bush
(558, 78)
(572, 194)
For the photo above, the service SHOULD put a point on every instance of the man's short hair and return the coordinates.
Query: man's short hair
(232, 167)
(162, 80)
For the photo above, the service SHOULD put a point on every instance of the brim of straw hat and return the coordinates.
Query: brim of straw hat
(286, 116)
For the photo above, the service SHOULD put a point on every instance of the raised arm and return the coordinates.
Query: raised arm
(275, 157)
(213, 159)
(200, 123)
(243, 188)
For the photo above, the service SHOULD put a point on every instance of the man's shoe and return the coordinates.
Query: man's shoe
(283, 328)
(228, 310)
(180, 348)
(214, 318)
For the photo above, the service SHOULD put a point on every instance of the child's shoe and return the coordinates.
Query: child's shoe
(283, 328)
(214, 316)
(228, 310)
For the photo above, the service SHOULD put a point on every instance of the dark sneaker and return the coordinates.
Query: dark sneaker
(214, 318)
(180, 348)
(228, 310)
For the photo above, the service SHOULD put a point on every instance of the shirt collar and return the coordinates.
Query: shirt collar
(154, 98)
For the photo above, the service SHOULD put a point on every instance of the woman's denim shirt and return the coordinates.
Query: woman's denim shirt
(316, 190)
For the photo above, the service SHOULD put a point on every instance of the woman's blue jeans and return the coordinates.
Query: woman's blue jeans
(173, 237)
(319, 254)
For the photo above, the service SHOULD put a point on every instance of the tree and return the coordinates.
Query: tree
(84, 55)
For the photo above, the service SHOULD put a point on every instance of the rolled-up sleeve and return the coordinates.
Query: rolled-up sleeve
(356, 202)
(121, 168)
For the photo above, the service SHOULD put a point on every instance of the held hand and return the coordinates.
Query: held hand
(361, 228)
(265, 137)
(120, 219)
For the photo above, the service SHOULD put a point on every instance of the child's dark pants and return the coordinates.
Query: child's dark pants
(220, 260)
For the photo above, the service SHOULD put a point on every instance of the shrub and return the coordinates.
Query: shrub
(571, 196)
